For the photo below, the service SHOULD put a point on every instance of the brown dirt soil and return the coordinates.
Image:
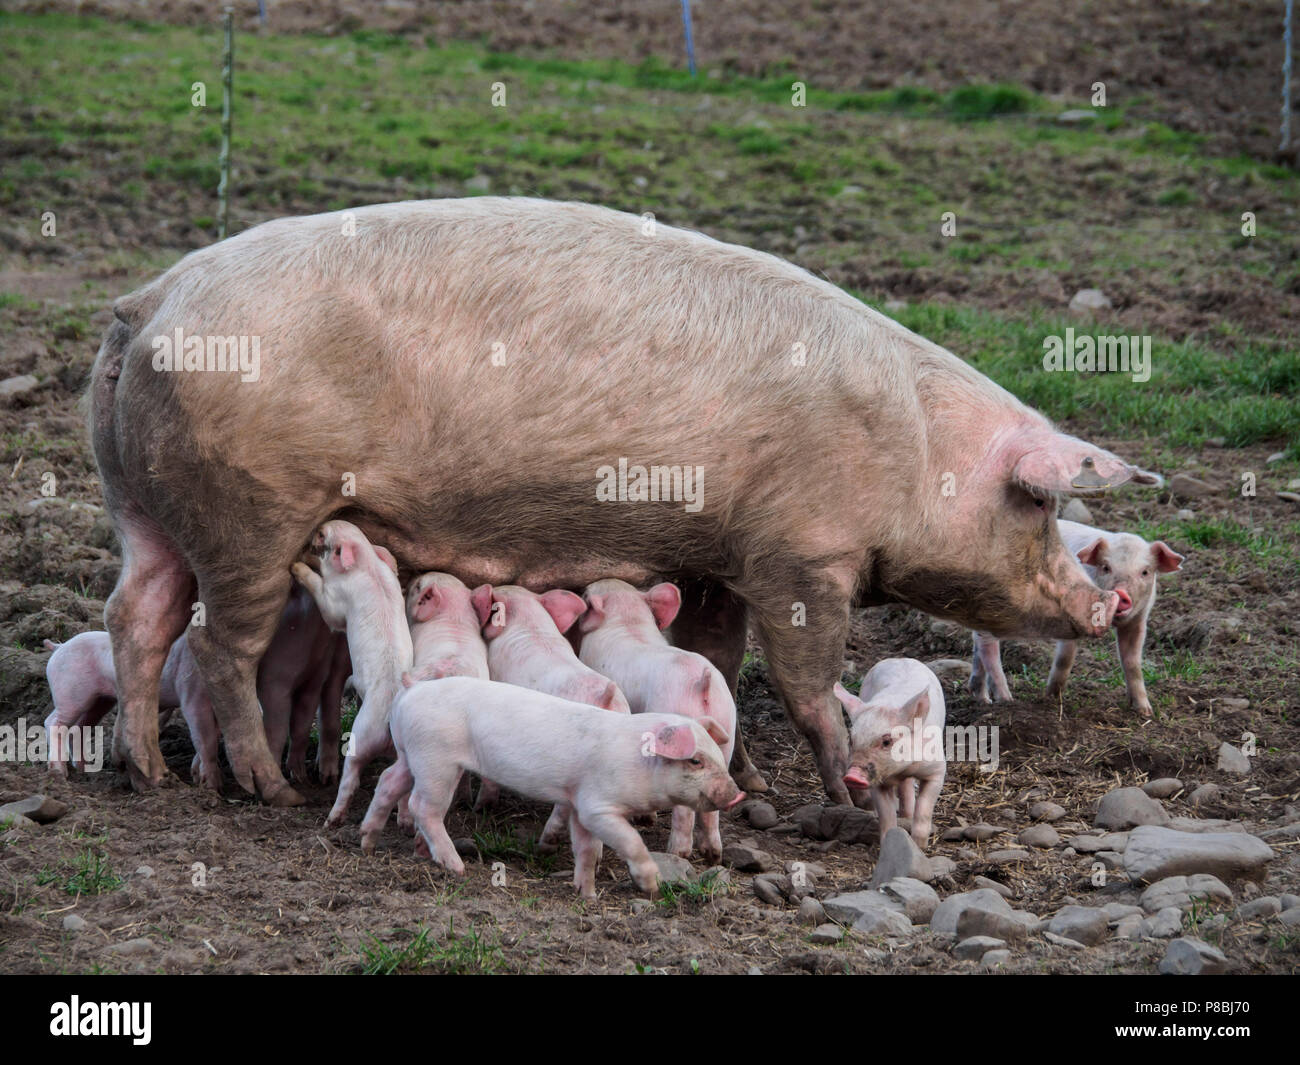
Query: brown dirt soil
(1208, 68)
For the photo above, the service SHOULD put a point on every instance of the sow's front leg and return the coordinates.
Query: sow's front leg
(713, 622)
(803, 634)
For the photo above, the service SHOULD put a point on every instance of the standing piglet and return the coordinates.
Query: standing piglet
(526, 646)
(357, 592)
(1122, 563)
(896, 721)
(601, 768)
(84, 687)
(447, 638)
(622, 639)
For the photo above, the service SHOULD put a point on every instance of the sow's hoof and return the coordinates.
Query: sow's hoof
(751, 781)
(286, 796)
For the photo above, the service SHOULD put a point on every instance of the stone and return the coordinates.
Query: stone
(900, 856)
(642, 905)
(14, 821)
(1185, 515)
(768, 890)
(1114, 841)
(1204, 824)
(993, 885)
(1044, 836)
(761, 815)
(976, 947)
(1087, 844)
(1075, 510)
(672, 869)
(826, 933)
(1046, 811)
(979, 833)
(747, 859)
(1185, 486)
(1275, 457)
(977, 921)
(1007, 856)
(1192, 957)
(144, 872)
(1231, 760)
(1083, 924)
(1205, 795)
(847, 908)
(1289, 901)
(1127, 807)
(942, 866)
(1089, 299)
(39, 808)
(1129, 927)
(1182, 891)
(994, 959)
(895, 305)
(883, 923)
(1163, 924)
(944, 918)
(811, 912)
(1154, 853)
(1291, 917)
(1289, 497)
(1232, 704)
(478, 183)
(13, 387)
(952, 835)
(1265, 906)
(75, 923)
(1164, 788)
(1064, 941)
(918, 899)
(133, 947)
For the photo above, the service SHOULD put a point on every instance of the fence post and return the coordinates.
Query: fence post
(227, 77)
(1287, 24)
(690, 39)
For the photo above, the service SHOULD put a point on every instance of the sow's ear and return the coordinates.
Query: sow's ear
(717, 733)
(1166, 559)
(564, 607)
(664, 601)
(1054, 462)
(1095, 553)
(676, 742)
(481, 599)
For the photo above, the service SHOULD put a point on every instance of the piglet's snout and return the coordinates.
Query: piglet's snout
(856, 778)
(740, 797)
(1125, 603)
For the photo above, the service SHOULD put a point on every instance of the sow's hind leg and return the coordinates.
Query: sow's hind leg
(147, 611)
(243, 607)
(713, 622)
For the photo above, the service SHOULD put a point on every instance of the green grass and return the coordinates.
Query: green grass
(674, 893)
(464, 954)
(498, 842)
(90, 873)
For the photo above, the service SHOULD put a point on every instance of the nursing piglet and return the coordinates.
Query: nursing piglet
(622, 639)
(602, 768)
(84, 687)
(357, 592)
(896, 721)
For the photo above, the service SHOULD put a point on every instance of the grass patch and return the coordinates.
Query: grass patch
(499, 843)
(90, 873)
(675, 893)
(465, 954)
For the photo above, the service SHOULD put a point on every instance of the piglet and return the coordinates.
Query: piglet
(84, 686)
(622, 638)
(447, 638)
(526, 646)
(600, 767)
(895, 721)
(357, 592)
(1122, 563)
(301, 671)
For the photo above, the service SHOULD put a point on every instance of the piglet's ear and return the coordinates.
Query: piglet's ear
(595, 614)
(564, 607)
(676, 742)
(481, 599)
(1095, 553)
(1166, 559)
(717, 733)
(345, 556)
(386, 556)
(916, 707)
(496, 619)
(664, 601)
(427, 605)
(850, 702)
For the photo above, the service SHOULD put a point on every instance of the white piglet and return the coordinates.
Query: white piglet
(896, 728)
(622, 639)
(357, 592)
(602, 768)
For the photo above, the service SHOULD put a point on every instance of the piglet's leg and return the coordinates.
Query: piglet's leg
(1130, 639)
(618, 833)
(708, 836)
(679, 840)
(923, 819)
(429, 808)
(1061, 666)
(395, 783)
(554, 829)
(586, 854)
(907, 797)
(885, 800)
